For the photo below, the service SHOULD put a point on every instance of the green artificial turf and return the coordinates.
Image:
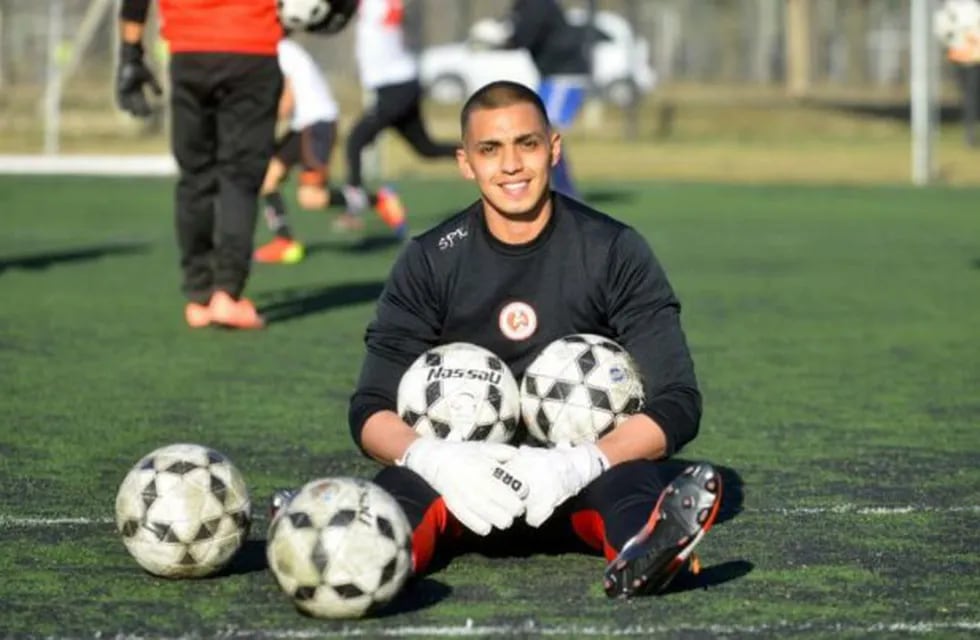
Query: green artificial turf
(835, 333)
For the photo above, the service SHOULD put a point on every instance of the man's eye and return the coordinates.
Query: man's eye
(529, 144)
(487, 149)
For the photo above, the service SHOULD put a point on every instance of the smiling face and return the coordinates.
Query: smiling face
(509, 151)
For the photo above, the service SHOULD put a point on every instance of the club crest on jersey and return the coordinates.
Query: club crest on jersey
(518, 320)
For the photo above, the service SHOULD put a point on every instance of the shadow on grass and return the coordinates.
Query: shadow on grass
(710, 576)
(249, 559)
(596, 197)
(40, 261)
(416, 595)
(294, 303)
(367, 244)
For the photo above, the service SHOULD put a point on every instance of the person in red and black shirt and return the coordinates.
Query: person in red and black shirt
(225, 84)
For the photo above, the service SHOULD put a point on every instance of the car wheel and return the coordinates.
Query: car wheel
(447, 88)
(622, 92)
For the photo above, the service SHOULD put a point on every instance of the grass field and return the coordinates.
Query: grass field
(835, 332)
(680, 133)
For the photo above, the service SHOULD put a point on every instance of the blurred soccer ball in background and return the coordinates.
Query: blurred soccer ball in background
(460, 391)
(956, 22)
(183, 511)
(340, 547)
(578, 388)
(488, 33)
(301, 14)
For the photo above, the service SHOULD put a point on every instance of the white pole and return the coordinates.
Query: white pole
(923, 83)
(1, 49)
(84, 34)
(52, 84)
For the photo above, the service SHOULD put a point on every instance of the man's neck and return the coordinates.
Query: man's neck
(518, 229)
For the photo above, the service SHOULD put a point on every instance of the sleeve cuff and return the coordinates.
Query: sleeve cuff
(362, 408)
(678, 427)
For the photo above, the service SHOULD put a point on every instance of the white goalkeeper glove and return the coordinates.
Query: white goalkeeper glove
(471, 478)
(555, 475)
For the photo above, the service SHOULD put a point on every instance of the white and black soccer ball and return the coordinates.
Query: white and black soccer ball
(302, 14)
(340, 548)
(183, 511)
(578, 388)
(957, 20)
(460, 391)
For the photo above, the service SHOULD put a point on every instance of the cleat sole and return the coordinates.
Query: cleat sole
(685, 511)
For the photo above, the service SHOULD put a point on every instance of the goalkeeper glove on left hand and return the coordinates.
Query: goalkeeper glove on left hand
(131, 75)
(472, 480)
(555, 475)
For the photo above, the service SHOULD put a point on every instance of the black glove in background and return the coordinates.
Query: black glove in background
(131, 77)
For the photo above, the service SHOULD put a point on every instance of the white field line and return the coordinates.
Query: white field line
(8, 521)
(868, 510)
(470, 629)
(26, 521)
(530, 629)
(94, 165)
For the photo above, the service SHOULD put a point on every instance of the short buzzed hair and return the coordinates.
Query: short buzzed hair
(501, 93)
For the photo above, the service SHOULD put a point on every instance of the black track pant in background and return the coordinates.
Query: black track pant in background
(600, 519)
(223, 108)
(397, 106)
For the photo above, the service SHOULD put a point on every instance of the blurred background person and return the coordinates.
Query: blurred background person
(387, 67)
(957, 23)
(308, 103)
(225, 83)
(560, 53)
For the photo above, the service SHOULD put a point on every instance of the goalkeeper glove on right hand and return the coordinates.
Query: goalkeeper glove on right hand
(472, 480)
(131, 75)
(555, 475)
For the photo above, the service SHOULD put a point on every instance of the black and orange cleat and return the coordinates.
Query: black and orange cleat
(280, 498)
(685, 511)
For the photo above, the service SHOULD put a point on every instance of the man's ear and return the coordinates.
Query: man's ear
(555, 148)
(464, 164)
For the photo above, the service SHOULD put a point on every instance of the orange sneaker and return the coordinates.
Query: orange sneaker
(197, 315)
(280, 250)
(391, 210)
(234, 314)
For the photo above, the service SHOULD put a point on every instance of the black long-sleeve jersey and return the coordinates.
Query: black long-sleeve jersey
(585, 273)
(556, 47)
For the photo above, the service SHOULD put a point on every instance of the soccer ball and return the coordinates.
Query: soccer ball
(578, 388)
(340, 548)
(183, 511)
(300, 14)
(956, 20)
(460, 391)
